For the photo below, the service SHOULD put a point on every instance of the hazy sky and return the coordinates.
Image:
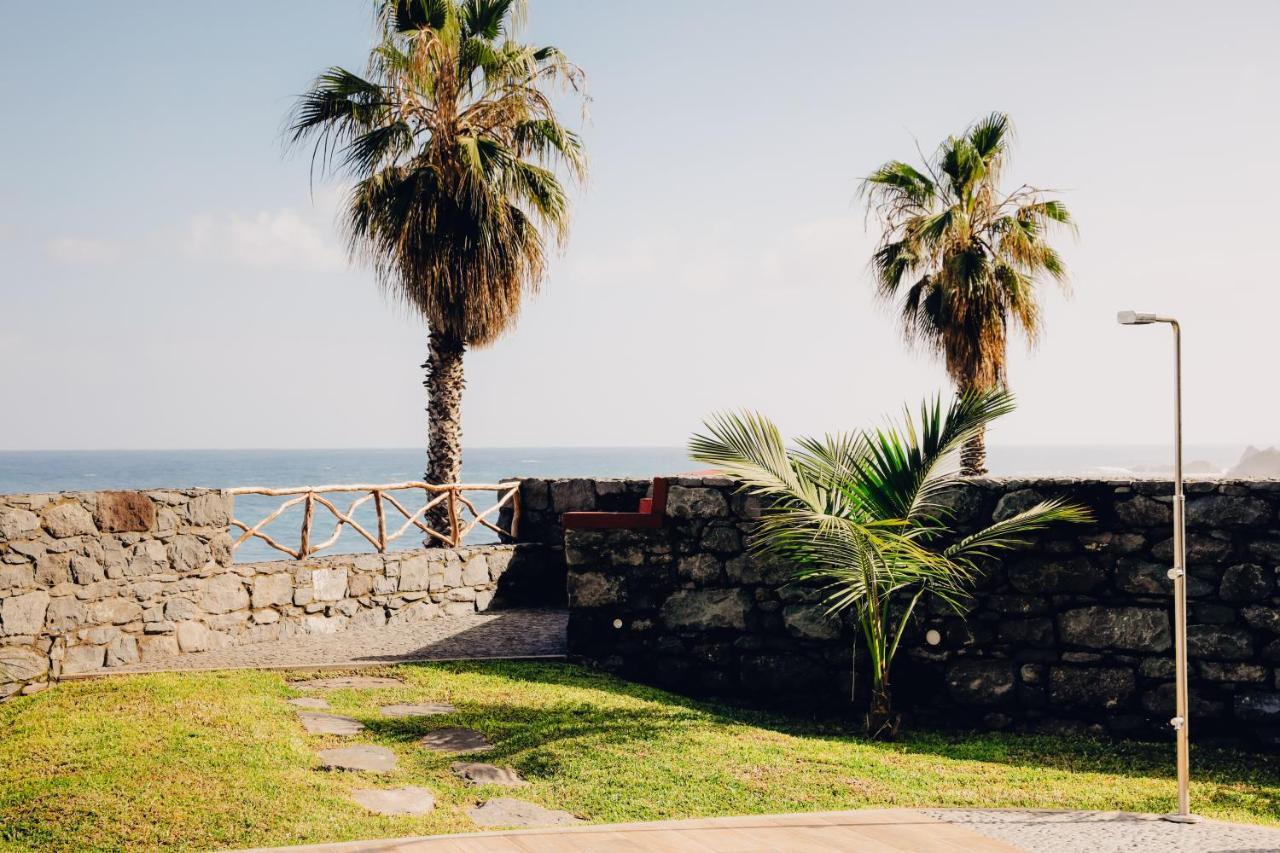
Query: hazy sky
(169, 282)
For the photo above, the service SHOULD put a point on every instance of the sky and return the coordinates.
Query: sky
(170, 280)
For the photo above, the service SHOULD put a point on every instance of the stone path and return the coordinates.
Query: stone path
(425, 709)
(487, 774)
(1045, 831)
(395, 801)
(455, 741)
(374, 759)
(309, 702)
(505, 811)
(493, 634)
(329, 724)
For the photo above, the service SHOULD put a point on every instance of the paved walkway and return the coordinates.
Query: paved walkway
(863, 831)
(493, 634)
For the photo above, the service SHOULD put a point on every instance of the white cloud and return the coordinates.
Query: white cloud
(82, 251)
(281, 239)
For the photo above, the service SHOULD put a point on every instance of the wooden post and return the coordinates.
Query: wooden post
(453, 517)
(515, 514)
(305, 546)
(382, 521)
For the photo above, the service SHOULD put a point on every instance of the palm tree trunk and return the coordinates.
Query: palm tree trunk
(973, 456)
(444, 383)
(882, 722)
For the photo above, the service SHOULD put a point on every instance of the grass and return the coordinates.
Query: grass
(210, 760)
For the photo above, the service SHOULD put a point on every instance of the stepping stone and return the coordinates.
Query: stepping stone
(487, 774)
(504, 811)
(329, 724)
(375, 759)
(346, 682)
(395, 801)
(455, 741)
(425, 709)
(309, 702)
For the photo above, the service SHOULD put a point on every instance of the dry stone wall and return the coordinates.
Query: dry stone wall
(92, 580)
(1073, 633)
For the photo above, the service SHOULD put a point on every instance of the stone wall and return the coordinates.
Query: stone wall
(100, 579)
(1072, 633)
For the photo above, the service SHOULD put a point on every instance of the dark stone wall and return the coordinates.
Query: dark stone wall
(1073, 633)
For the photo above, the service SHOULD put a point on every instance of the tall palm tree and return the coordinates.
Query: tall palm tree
(864, 516)
(455, 147)
(963, 259)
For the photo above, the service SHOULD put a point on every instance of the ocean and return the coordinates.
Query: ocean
(91, 470)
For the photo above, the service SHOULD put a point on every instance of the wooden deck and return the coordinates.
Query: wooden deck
(862, 831)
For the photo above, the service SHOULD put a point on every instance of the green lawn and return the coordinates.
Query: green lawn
(219, 760)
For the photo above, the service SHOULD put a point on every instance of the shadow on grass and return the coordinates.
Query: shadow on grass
(519, 727)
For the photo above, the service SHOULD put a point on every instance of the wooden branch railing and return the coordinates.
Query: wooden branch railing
(452, 495)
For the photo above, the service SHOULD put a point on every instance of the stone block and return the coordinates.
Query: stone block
(53, 569)
(810, 622)
(1142, 511)
(271, 590)
(1219, 643)
(1247, 582)
(67, 519)
(329, 584)
(701, 568)
(1098, 688)
(188, 554)
(1048, 576)
(21, 664)
(21, 576)
(223, 594)
(1130, 628)
(81, 659)
(155, 646)
(415, 573)
(594, 589)
(18, 524)
(64, 615)
(685, 502)
(121, 512)
(210, 510)
(193, 636)
(475, 570)
(117, 611)
(23, 614)
(972, 681)
(122, 651)
(1225, 511)
(1259, 707)
(572, 495)
(707, 609)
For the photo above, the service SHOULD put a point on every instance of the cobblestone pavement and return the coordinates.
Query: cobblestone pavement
(492, 634)
(1043, 831)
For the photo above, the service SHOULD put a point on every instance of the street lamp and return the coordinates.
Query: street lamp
(1178, 573)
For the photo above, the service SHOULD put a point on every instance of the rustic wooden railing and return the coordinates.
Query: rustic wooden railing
(452, 494)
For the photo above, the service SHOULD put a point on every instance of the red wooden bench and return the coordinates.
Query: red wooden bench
(647, 517)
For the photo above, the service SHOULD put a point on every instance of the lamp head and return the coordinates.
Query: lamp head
(1134, 318)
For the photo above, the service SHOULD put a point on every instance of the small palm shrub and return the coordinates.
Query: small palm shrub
(863, 515)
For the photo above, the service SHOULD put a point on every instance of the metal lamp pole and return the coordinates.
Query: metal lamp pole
(1178, 574)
